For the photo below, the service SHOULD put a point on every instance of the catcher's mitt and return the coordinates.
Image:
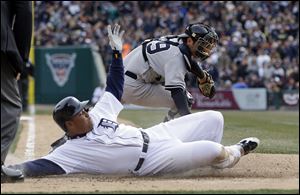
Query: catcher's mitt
(206, 85)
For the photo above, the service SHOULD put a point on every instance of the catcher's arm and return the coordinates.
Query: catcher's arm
(205, 81)
(180, 100)
(197, 70)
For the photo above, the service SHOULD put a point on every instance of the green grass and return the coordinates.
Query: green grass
(278, 131)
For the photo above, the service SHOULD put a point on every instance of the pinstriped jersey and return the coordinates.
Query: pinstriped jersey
(165, 64)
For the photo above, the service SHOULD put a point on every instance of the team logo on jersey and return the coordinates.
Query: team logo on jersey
(105, 123)
(61, 65)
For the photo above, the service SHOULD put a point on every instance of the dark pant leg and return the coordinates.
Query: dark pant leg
(23, 89)
(11, 106)
(10, 117)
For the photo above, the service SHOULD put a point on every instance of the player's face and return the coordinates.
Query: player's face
(191, 44)
(201, 49)
(80, 123)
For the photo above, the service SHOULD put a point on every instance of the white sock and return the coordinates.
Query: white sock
(229, 156)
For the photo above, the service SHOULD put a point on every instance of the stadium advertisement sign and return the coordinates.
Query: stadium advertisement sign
(237, 99)
(251, 99)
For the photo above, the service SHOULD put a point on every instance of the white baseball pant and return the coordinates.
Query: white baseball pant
(188, 142)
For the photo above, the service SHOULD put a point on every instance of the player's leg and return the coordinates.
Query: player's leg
(192, 155)
(146, 94)
(11, 106)
(174, 156)
(206, 125)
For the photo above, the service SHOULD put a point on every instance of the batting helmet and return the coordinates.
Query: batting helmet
(66, 109)
(205, 39)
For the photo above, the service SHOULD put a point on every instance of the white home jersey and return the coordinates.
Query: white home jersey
(106, 144)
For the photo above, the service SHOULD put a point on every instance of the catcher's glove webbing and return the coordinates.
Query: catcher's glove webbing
(206, 85)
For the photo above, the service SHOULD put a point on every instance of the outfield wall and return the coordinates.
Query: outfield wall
(67, 71)
(246, 99)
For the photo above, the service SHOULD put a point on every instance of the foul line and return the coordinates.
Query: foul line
(30, 143)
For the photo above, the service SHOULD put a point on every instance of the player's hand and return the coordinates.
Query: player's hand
(115, 38)
(170, 116)
(206, 85)
(190, 99)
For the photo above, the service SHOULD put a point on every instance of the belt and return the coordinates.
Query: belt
(131, 74)
(144, 151)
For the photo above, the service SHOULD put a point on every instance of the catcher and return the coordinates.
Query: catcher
(155, 71)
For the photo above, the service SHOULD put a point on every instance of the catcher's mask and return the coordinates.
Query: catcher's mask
(205, 39)
(66, 109)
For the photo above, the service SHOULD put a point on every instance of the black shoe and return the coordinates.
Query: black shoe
(9, 175)
(249, 144)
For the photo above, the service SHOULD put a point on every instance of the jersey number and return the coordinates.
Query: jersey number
(157, 47)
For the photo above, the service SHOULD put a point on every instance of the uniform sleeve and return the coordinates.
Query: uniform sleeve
(180, 101)
(175, 71)
(115, 78)
(39, 167)
(108, 107)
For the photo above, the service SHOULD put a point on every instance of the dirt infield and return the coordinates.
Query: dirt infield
(254, 171)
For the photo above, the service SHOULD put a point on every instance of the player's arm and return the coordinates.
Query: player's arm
(115, 78)
(191, 65)
(174, 82)
(180, 100)
(39, 167)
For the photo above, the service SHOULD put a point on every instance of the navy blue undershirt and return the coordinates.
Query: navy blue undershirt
(115, 77)
(39, 167)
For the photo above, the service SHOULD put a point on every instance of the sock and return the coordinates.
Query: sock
(229, 156)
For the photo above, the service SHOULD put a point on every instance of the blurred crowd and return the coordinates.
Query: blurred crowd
(259, 40)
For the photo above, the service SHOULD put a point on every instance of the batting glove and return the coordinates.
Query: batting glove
(115, 38)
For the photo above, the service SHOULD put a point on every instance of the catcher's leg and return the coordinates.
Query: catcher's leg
(146, 94)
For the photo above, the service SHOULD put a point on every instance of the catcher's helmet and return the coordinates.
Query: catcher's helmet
(205, 39)
(66, 109)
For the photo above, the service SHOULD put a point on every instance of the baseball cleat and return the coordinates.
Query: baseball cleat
(249, 144)
(9, 175)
